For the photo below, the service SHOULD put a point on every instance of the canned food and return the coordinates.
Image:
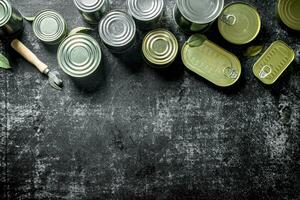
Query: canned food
(273, 62)
(197, 15)
(146, 13)
(239, 23)
(160, 48)
(50, 27)
(92, 10)
(210, 61)
(11, 21)
(117, 31)
(289, 13)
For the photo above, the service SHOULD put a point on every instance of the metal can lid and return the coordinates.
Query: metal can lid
(145, 10)
(79, 55)
(89, 5)
(49, 26)
(117, 29)
(289, 12)
(200, 11)
(5, 12)
(160, 47)
(239, 23)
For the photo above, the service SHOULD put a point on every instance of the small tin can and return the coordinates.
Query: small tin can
(273, 62)
(80, 57)
(239, 23)
(50, 27)
(146, 13)
(11, 21)
(117, 31)
(289, 13)
(160, 48)
(92, 10)
(196, 15)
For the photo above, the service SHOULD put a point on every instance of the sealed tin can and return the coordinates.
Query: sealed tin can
(117, 31)
(92, 10)
(210, 61)
(289, 13)
(273, 62)
(50, 27)
(146, 13)
(239, 23)
(196, 15)
(11, 21)
(160, 48)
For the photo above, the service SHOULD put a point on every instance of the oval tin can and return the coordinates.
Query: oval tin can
(239, 23)
(50, 27)
(117, 31)
(92, 10)
(289, 13)
(160, 48)
(210, 61)
(146, 13)
(273, 62)
(196, 15)
(11, 21)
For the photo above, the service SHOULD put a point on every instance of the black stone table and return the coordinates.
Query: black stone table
(145, 133)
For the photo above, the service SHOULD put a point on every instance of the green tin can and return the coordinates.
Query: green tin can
(50, 27)
(289, 13)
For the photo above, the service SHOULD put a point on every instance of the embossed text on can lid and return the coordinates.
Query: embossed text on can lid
(289, 12)
(89, 5)
(145, 10)
(5, 12)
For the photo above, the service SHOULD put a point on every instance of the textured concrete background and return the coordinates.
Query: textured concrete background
(148, 134)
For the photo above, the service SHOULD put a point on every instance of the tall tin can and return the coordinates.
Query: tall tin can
(197, 15)
(11, 21)
(92, 10)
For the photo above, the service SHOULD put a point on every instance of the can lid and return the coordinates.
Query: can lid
(239, 23)
(160, 47)
(117, 29)
(89, 5)
(5, 12)
(289, 12)
(200, 11)
(145, 10)
(49, 26)
(79, 55)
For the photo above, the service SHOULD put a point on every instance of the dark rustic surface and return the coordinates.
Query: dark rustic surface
(148, 134)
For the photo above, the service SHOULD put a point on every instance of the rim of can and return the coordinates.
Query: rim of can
(110, 31)
(192, 10)
(289, 13)
(160, 47)
(231, 32)
(89, 5)
(49, 26)
(5, 12)
(79, 55)
(142, 10)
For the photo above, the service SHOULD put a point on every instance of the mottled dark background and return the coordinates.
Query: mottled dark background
(145, 133)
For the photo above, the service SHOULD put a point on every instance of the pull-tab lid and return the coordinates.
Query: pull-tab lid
(289, 12)
(145, 10)
(5, 12)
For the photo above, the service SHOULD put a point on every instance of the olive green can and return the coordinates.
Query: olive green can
(289, 13)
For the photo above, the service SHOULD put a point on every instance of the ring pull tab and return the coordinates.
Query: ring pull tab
(229, 19)
(231, 73)
(265, 71)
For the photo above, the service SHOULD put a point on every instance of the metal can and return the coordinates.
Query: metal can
(160, 48)
(11, 21)
(197, 15)
(239, 23)
(92, 10)
(117, 31)
(50, 27)
(288, 11)
(146, 13)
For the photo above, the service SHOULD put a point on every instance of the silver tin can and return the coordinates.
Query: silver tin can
(11, 21)
(197, 15)
(92, 10)
(146, 13)
(117, 31)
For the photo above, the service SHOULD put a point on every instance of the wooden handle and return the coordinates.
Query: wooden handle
(28, 55)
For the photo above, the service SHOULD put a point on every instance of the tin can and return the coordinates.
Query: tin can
(196, 15)
(117, 31)
(146, 13)
(11, 21)
(79, 56)
(50, 27)
(92, 10)
(239, 23)
(288, 11)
